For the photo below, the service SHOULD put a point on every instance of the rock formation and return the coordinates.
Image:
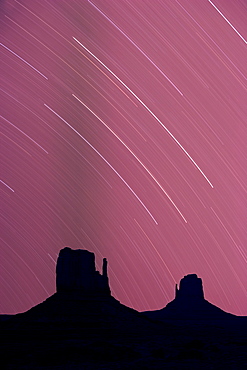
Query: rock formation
(82, 326)
(83, 297)
(190, 288)
(76, 272)
(189, 304)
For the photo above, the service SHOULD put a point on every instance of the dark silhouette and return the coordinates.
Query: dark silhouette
(75, 272)
(190, 288)
(82, 326)
(190, 305)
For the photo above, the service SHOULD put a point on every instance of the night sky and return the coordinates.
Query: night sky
(124, 133)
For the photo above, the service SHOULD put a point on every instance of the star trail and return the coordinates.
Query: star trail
(124, 133)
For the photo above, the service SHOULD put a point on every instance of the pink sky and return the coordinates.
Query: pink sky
(124, 133)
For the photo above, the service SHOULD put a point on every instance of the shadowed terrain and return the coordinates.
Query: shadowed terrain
(82, 326)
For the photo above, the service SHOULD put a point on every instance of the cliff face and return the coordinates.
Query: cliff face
(190, 288)
(76, 272)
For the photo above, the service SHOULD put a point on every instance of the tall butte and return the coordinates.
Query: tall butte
(190, 288)
(76, 272)
(189, 304)
(83, 296)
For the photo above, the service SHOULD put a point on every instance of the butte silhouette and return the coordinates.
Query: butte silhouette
(82, 326)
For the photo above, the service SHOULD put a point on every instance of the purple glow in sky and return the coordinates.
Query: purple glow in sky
(124, 133)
